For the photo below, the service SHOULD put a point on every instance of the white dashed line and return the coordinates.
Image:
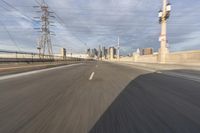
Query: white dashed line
(91, 76)
(159, 72)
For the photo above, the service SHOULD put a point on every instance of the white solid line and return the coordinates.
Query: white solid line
(91, 76)
(34, 72)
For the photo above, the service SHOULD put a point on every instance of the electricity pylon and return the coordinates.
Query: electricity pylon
(45, 43)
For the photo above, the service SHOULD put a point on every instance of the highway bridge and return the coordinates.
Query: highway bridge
(100, 97)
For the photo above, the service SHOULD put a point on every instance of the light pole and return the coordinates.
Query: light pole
(163, 16)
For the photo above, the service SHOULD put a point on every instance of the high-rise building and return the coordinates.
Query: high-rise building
(107, 53)
(112, 52)
(94, 52)
(89, 52)
(147, 51)
(99, 52)
(104, 52)
(63, 52)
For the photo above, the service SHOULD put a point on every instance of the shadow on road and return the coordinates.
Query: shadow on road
(153, 103)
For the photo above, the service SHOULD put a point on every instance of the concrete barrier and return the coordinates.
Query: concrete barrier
(147, 58)
(184, 57)
(126, 59)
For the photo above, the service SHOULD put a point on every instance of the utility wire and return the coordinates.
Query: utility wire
(13, 7)
(7, 29)
(60, 21)
(10, 36)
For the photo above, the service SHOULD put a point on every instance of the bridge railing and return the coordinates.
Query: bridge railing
(28, 57)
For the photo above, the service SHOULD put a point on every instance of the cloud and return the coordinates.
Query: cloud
(99, 22)
(192, 41)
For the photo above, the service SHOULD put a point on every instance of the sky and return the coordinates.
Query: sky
(82, 24)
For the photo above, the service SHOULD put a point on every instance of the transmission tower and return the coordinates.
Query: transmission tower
(44, 43)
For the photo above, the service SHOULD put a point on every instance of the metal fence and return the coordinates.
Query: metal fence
(13, 56)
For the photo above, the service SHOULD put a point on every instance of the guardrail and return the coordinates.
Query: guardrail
(27, 57)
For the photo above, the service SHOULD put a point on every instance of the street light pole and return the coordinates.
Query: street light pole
(163, 16)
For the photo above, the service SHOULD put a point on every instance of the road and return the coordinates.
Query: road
(99, 97)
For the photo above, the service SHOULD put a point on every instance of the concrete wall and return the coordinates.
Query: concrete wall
(146, 58)
(127, 59)
(185, 57)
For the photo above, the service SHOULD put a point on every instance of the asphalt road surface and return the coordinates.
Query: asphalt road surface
(99, 97)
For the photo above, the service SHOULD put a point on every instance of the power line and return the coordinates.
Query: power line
(60, 20)
(13, 7)
(10, 36)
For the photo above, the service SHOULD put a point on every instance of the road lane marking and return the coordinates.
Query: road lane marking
(35, 72)
(159, 72)
(91, 76)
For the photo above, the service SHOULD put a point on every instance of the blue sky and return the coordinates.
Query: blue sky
(99, 22)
